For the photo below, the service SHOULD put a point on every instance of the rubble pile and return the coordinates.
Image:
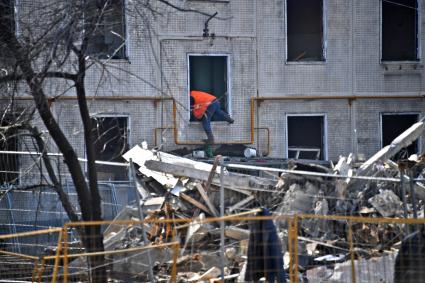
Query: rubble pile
(174, 188)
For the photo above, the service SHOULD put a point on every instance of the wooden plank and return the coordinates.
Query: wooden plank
(206, 199)
(195, 203)
(212, 173)
(241, 203)
(236, 233)
(234, 181)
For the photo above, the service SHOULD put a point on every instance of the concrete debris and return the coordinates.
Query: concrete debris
(177, 189)
(387, 203)
(341, 272)
(213, 272)
(299, 199)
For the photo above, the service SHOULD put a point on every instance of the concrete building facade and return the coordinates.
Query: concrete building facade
(313, 78)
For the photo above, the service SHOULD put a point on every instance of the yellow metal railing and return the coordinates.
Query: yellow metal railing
(293, 224)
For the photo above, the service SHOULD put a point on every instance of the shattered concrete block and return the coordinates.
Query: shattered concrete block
(382, 267)
(136, 263)
(299, 200)
(189, 263)
(197, 229)
(230, 253)
(387, 203)
(213, 259)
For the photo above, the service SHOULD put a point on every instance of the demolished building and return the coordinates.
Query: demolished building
(343, 89)
(346, 80)
(354, 220)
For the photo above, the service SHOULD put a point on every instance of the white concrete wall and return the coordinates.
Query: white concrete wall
(252, 34)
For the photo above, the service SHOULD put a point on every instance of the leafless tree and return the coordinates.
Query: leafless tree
(53, 40)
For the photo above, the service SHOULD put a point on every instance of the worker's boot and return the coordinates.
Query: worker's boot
(229, 119)
(210, 138)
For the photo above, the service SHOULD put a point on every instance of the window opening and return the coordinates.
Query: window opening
(399, 30)
(305, 30)
(209, 74)
(9, 163)
(306, 137)
(111, 142)
(395, 124)
(7, 20)
(108, 39)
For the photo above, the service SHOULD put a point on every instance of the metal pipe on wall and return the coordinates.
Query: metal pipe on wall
(254, 101)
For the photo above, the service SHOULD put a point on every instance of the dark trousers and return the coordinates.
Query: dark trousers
(215, 111)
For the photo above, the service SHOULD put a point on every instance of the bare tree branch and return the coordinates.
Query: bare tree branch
(59, 75)
(189, 10)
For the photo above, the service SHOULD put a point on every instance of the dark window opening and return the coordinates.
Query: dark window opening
(9, 163)
(393, 126)
(110, 142)
(209, 74)
(399, 30)
(7, 18)
(305, 30)
(306, 137)
(108, 39)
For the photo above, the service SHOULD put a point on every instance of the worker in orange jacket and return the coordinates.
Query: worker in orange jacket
(205, 107)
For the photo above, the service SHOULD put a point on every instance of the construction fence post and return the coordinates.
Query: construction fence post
(350, 240)
(293, 249)
(222, 220)
(57, 258)
(41, 270)
(65, 254)
(174, 268)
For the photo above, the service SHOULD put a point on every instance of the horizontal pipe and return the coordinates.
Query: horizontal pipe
(97, 97)
(252, 108)
(259, 98)
(24, 256)
(145, 98)
(31, 233)
(331, 97)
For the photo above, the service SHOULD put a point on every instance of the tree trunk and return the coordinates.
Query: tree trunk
(97, 263)
(89, 200)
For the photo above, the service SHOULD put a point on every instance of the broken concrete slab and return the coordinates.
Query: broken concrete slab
(383, 269)
(234, 181)
(139, 156)
(299, 200)
(403, 140)
(387, 203)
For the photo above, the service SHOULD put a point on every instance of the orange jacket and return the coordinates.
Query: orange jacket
(201, 102)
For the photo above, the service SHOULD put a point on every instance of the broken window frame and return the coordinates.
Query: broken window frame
(381, 128)
(125, 48)
(418, 35)
(324, 38)
(229, 81)
(325, 131)
(113, 115)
